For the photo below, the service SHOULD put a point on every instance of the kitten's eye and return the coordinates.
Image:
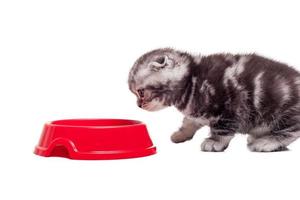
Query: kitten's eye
(141, 93)
(161, 60)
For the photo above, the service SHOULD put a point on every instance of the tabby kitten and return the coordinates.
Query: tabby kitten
(230, 93)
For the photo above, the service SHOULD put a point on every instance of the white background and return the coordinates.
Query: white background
(70, 59)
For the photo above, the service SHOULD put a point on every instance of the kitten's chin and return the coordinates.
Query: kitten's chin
(154, 109)
(154, 106)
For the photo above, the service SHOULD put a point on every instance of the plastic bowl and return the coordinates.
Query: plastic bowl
(95, 139)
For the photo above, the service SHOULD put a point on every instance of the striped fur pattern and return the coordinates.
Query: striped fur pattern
(229, 93)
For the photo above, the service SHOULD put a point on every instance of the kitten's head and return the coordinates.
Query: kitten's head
(156, 76)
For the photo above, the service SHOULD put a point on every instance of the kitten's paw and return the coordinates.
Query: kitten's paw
(211, 145)
(265, 145)
(179, 137)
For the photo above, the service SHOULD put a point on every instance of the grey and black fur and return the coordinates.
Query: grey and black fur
(229, 93)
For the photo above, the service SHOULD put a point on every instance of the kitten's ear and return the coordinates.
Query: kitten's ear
(159, 63)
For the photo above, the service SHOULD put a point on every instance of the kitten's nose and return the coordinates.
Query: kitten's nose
(140, 103)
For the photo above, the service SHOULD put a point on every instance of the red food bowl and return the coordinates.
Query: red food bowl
(95, 139)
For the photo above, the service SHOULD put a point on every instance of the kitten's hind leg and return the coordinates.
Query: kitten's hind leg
(186, 131)
(275, 140)
(269, 143)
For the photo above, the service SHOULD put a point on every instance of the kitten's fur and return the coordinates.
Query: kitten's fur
(230, 93)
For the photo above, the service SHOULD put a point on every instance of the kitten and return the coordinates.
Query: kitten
(229, 93)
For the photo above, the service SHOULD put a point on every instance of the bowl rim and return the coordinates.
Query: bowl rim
(136, 123)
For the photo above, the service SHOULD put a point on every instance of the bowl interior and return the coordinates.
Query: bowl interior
(96, 122)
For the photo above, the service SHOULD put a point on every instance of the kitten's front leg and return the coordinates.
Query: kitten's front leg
(186, 131)
(219, 138)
